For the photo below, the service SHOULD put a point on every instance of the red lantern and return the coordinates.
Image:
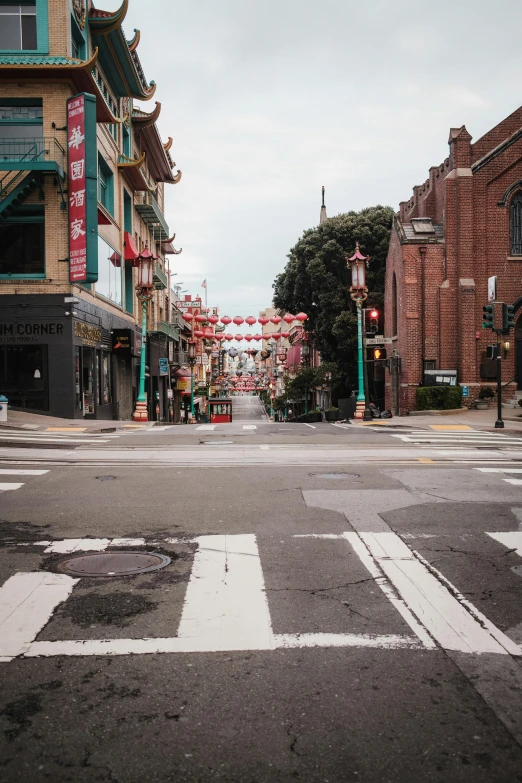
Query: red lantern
(258, 337)
(285, 334)
(250, 320)
(200, 318)
(209, 332)
(248, 337)
(238, 320)
(220, 336)
(213, 319)
(229, 337)
(289, 318)
(187, 317)
(276, 336)
(226, 320)
(238, 337)
(276, 319)
(198, 333)
(263, 320)
(301, 317)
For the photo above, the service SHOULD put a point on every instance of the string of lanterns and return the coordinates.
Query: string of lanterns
(200, 318)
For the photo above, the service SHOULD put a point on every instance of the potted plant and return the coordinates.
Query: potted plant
(485, 395)
(332, 414)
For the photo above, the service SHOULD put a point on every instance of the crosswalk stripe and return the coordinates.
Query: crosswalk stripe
(500, 470)
(249, 427)
(13, 472)
(206, 427)
(515, 482)
(511, 540)
(7, 487)
(30, 439)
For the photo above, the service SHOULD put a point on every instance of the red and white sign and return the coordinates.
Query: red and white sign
(77, 191)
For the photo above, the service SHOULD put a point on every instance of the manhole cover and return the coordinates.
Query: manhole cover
(335, 476)
(112, 563)
(216, 442)
(105, 478)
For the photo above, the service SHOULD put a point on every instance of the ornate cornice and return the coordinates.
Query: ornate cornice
(143, 119)
(135, 41)
(104, 22)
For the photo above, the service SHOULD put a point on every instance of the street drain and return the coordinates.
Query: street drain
(335, 476)
(216, 442)
(112, 563)
(105, 478)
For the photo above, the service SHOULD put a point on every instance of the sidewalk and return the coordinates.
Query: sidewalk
(480, 420)
(35, 421)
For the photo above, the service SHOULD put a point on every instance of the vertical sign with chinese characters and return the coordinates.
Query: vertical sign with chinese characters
(77, 200)
(82, 179)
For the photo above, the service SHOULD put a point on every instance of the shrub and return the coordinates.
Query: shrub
(438, 398)
(486, 393)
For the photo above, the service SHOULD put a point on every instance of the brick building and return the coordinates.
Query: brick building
(70, 340)
(463, 225)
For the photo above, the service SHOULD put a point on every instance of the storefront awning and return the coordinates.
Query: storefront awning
(131, 252)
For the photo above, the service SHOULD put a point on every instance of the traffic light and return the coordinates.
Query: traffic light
(379, 354)
(508, 318)
(373, 323)
(487, 316)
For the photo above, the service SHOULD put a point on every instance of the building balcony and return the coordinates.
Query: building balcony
(149, 210)
(44, 154)
(180, 358)
(169, 329)
(159, 279)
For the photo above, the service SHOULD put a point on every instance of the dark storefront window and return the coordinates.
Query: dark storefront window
(22, 245)
(23, 376)
(77, 379)
(18, 26)
(516, 224)
(107, 384)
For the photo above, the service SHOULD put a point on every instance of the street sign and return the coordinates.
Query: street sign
(378, 341)
(465, 391)
(492, 288)
(163, 366)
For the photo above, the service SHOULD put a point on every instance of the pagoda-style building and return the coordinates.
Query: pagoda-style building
(82, 175)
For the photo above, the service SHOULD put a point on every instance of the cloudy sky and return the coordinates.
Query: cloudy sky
(267, 100)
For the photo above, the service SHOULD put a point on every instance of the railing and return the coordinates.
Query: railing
(29, 151)
(169, 329)
(160, 279)
(150, 212)
(180, 357)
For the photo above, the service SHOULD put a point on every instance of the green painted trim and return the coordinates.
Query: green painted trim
(23, 277)
(48, 166)
(129, 289)
(21, 102)
(127, 211)
(109, 182)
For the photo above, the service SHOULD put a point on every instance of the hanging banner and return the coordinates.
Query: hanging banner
(82, 181)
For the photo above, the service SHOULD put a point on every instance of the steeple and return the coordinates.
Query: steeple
(323, 216)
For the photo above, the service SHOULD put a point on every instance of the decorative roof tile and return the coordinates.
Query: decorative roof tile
(34, 59)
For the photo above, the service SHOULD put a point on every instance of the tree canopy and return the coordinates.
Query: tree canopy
(316, 280)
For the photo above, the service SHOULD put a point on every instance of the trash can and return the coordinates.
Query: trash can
(3, 407)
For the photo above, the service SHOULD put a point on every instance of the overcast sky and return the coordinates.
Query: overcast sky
(267, 100)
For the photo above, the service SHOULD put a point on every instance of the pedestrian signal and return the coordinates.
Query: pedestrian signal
(379, 354)
(487, 316)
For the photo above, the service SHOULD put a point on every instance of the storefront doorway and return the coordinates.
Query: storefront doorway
(24, 376)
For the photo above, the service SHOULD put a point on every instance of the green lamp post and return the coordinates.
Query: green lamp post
(144, 292)
(192, 362)
(359, 294)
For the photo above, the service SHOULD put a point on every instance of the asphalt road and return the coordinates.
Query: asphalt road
(340, 605)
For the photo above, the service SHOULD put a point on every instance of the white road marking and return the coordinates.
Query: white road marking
(510, 540)
(78, 545)
(500, 470)
(206, 427)
(127, 542)
(27, 601)
(31, 439)
(249, 427)
(318, 535)
(341, 426)
(309, 425)
(225, 604)
(447, 619)
(160, 429)
(7, 487)
(12, 472)
(515, 482)
(387, 641)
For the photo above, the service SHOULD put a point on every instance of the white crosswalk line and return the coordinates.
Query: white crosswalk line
(206, 427)
(249, 427)
(16, 472)
(7, 487)
(511, 540)
(499, 470)
(27, 601)
(515, 482)
(31, 439)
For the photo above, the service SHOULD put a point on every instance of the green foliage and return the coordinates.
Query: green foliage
(438, 398)
(486, 393)
(309, 378)
(317, 279)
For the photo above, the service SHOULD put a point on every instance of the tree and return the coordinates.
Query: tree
(316, 280)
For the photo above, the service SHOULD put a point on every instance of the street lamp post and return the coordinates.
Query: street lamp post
(359, 294)
(192, 362)
(144, 292)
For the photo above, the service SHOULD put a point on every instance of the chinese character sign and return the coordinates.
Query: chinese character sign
(77, 200)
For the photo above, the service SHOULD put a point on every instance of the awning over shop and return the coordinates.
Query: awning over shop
(131, 252)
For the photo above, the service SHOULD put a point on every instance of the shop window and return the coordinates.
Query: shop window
(126, 142)
(516, 224)
(105, 186)
(109, 282)
(18, 26)
(24, 377)
(22, 244)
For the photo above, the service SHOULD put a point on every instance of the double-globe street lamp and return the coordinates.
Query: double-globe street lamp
(144, 292)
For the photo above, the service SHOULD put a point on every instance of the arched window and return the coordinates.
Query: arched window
(516, 224)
